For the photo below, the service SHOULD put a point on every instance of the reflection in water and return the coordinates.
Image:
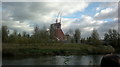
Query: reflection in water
(95, 59)
(56, 60)
(66, 59)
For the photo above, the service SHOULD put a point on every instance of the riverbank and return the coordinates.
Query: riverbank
(11, 50)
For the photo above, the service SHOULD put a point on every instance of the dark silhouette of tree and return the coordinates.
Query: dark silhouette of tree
(89, 40)
(40, 35)
(13, 38)
(19, 35)
(95, 35)
(95, 38)
(36, 31)
(77, 36)
(5, 33)
(52, 33)
(111, 38)
(83, 40)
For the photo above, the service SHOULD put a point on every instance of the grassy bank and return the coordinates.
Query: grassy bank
(53, 49)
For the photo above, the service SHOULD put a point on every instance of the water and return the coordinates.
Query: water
(56, 60)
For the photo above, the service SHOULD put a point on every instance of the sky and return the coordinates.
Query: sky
(24, 16)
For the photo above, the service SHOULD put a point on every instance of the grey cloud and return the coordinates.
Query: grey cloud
(113, 14)
(108, 4)
(108, 10)
(35, 13)
(86, 27)
(106, 26)
(43, 14)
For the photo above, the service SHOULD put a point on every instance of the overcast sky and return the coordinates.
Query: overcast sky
(23, 16)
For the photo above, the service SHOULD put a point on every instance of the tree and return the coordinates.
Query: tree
(95, 38)
(13, 38)
(95, 35)
(40, 35)
(69, 36)
(0, 35)
(24, 34)
(15, 33)
(83, 40)
(52, 32)
(36, 31)
(5, 33)
(89, 40)
(111, 38)
(19, 35)
(77, 36)
(44, 35)
(119, 39)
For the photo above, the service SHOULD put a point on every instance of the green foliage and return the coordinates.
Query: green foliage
(83, 40)
(94, 39)
(53, 49)
(52, 32)
(77, 36)
(112, 38)
(5, 33)
(39, 36)
(95, 35)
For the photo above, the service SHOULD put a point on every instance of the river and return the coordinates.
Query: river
(56, 60)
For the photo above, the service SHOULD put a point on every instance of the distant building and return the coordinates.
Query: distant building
(56, 31)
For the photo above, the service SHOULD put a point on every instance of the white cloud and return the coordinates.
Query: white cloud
(105, 11)
(23, 16)
(16, 25)
(37, 13)
(115, 19)
(106, 14)
(97, 9)
(108, 10)
(88, 28)
(86, 24)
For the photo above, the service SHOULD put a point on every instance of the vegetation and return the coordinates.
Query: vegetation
(41, 42)
(53, 49)
(77, 36)
(112, 37)
(4, 34)
(94, 39)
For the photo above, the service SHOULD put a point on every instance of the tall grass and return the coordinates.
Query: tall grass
(53, 49)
